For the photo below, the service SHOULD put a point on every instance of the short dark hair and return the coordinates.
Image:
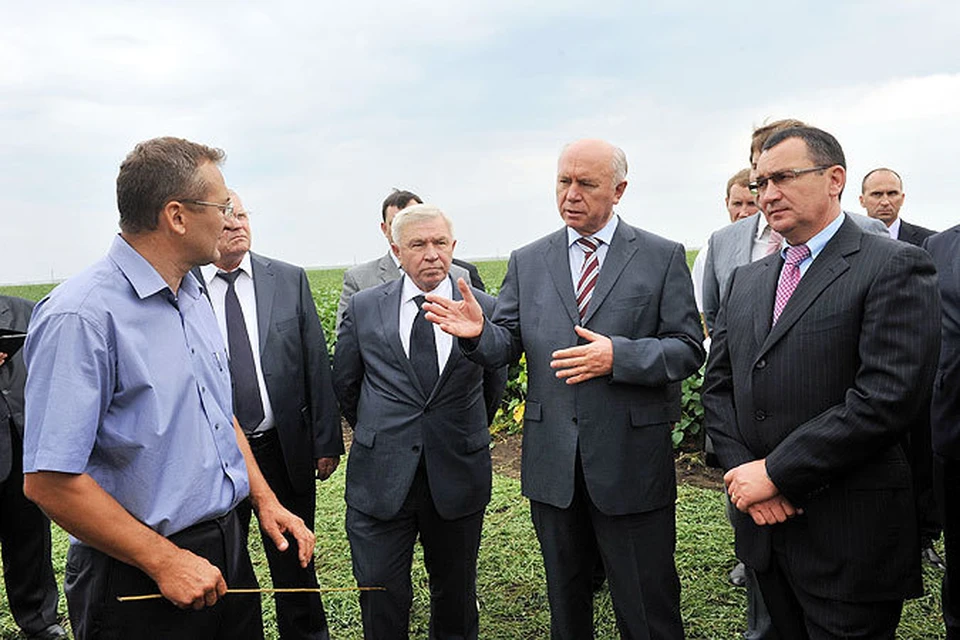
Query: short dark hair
(822, 148)
(400, 200)
(863, 183)
(740, 178)
(156, 172)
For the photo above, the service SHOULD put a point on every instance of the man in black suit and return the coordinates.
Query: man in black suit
(819, 364)
(882, 196)
(420, 459)
(945, 415)
(292, 424)
(606, 316)
(24, 529)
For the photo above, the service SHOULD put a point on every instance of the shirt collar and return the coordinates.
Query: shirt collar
(894, 229)
(605, 235)
(211, 270)
(819, 241)
(411, 290)
(761, 224)
(142, 275)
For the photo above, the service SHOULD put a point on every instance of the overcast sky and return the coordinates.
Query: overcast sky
(322, 107)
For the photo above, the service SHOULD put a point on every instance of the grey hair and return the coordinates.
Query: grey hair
(417, 213)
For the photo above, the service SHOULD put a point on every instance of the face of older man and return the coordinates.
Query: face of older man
(586, 191)
(740, 203)
(425, 250)
(797, 206)
(235, 239)
(882, 196)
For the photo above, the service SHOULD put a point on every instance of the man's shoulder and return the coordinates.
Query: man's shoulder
(920, 232)
(275, 265)
(91, 292)
(944, 239)
(19, 306)
(745, 228)
(365, 267)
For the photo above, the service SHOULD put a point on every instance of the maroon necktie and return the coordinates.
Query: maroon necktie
(789, 277)
(589, 273)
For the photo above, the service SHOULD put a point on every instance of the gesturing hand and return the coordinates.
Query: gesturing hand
(584, 361)
(461, 318)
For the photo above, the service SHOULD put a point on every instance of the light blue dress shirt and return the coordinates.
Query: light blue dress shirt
(128, 383)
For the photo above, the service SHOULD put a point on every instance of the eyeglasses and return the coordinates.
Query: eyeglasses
(781, 178)
(226, 210)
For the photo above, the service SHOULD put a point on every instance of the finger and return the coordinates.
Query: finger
(276, 534)
(305, 543)
(583, 332)
(210, 598)
(578, 351)
(221, 585)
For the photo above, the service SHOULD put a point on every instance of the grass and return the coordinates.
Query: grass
(512, 592)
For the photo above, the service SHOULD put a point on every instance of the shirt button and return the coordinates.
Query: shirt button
(761, 363)
(203, 389)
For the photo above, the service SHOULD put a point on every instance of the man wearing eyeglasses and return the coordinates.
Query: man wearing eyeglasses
(807, 407)
(280, 368)
(130, 442)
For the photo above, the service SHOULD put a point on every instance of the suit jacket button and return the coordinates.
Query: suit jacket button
(761, 363)
(415, 448)
(574, 419)
(760, 415)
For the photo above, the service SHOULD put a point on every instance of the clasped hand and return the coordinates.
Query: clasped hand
(752, 491)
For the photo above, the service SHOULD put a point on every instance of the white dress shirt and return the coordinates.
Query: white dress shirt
(217, 287)
(894, 229)
(409, 311)
(575, 251)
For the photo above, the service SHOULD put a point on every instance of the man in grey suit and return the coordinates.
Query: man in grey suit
(293, 423)
(386, 268)
(605, 314)
(808, 409)
(420, 460)
(881, 194)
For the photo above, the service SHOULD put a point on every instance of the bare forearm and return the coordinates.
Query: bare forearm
(78, 504)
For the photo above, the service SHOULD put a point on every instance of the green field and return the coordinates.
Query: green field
(512, 592)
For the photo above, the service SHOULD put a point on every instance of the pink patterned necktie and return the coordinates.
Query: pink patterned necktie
(589, 273)
(789, 277)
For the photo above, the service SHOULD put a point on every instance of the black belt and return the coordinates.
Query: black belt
(261, 439)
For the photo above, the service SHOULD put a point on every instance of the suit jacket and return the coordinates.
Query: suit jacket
(395, 421)
(945, 407)
(384, 269)
(296, 368)
(826, 396)
(620, 424)
(14, 314)
(732, 247)
(913, 233)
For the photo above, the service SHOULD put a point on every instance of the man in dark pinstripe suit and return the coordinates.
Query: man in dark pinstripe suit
(818, 366)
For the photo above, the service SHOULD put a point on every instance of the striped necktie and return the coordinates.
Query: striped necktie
(589, 273)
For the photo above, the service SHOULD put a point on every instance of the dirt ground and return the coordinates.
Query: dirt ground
(505, 455)
(690, 468)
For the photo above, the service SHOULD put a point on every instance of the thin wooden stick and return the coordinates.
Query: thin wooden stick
(157, 596)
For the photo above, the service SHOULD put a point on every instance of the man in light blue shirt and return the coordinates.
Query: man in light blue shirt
(130, 442)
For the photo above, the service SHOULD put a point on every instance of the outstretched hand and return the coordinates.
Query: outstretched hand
(460, 318)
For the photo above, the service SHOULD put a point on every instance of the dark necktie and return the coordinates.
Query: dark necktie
(247, 405)
(423, 349)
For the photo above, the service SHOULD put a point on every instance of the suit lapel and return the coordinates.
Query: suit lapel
(263, 288)
(557, 258)
(622, 248)
(828, 266)
(389, 307)
(766, 292)
(6, 315)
